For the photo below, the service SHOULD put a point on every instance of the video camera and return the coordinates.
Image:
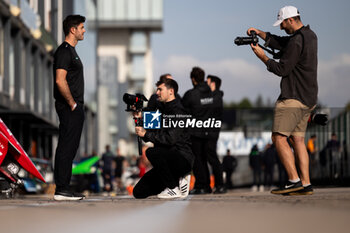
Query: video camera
(319, 118)
(134, 103)
(134, 100)
(252, 39)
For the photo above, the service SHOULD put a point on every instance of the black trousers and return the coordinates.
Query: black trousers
(268, 175)
(257, 176)
(168, 167)
(107, 180)
(70, 128)
(204, 150)
(228, 182)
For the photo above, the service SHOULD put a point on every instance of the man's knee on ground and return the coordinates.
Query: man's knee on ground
(150, 153)
(138, 194)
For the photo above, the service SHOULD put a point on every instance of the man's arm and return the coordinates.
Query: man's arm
(288, 60)
(164, 137)
(63, 88)
(259, 52)
(272, 41)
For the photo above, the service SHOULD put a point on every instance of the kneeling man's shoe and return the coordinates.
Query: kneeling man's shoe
(184, 184)
(170, 193)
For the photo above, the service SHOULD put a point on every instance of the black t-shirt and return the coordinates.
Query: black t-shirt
(119, 162)
(67, 58)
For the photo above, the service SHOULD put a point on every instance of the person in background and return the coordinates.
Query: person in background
(214, 83)
(269, 158)
(311, 150)
(333, 152)
(119, 169)
(229, 164)
(255, 165)
(107, 161)
(198, 102)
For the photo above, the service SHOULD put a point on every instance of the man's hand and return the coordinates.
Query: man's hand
(74, 106)
(259, 52)
(137, 114)
(140, 131)
(259, 33)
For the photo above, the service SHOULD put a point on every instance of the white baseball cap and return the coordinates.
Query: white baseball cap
(286, 13)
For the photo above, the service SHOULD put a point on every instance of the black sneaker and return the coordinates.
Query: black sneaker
(305, 191)
(289, 187)
(220, 190)
(200, 191)
(67, 196)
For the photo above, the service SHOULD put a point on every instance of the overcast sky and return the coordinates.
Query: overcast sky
(201, 33)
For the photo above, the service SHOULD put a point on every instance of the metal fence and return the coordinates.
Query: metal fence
(331, 164)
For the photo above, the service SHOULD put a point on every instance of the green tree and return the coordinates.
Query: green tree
(259, 102)
(245, 103)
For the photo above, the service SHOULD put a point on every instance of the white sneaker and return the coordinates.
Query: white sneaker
(254, 188)
(261, 188)
(184, 184)
(68, 196)
(170, 193)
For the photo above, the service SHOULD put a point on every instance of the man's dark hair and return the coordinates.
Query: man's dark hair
(216, 80)
(164, 76)
(169, 83)
(72, 21)
(197, 74)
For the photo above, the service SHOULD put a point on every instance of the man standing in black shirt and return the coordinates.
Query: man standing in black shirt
(297, 66)
(171, 156)
(198, 101)
(69, 96)
(214, 83)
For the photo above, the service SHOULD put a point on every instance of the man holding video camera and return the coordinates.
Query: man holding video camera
(171, 156)
(298, 68)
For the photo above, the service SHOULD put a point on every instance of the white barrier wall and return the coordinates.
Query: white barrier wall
(239, 145)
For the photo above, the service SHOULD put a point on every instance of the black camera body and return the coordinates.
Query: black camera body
(134, 100)
(252, 39)
(319, 118)
(134, 103)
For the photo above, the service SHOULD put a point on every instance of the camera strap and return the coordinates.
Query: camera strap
(271, 51)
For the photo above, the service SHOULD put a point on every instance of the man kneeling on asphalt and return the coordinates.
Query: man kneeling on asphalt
(171, 156)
